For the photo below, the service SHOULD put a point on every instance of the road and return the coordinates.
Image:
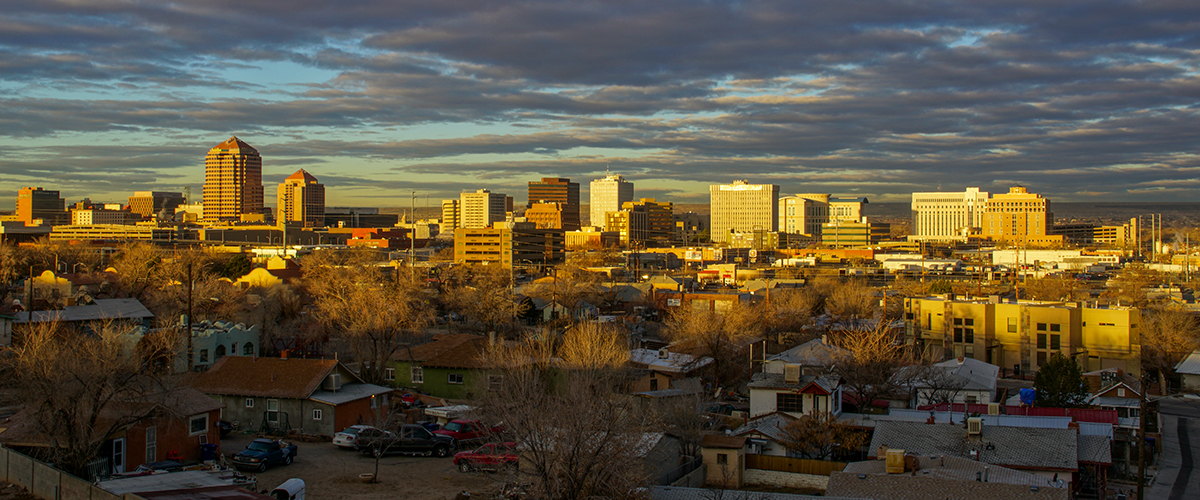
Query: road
(1177, 475)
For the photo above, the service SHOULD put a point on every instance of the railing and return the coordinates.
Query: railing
(793, 465)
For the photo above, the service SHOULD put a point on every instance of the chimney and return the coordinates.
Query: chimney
(283, 354)
(985, 473)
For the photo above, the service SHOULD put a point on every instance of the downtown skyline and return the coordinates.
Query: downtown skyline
(1078, 101)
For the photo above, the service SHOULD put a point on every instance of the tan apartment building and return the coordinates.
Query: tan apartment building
(482, 208)
(233, 187)
(149, 203)
(450, 215)
(1025, 334)
(640, 223)
(521, 244)
(545, 215)
(1020, 217)
(89, 216)
(301, 199)
(742, 207)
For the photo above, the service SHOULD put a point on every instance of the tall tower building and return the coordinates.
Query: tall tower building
(36, 203)
(449, 215)
(608, 195)
(947, 216)
(481, 209)
(301, 199)
(556, 190)
(742, 207)
(232, 181)
(1021, 217)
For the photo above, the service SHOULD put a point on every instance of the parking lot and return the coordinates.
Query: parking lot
(331, 473)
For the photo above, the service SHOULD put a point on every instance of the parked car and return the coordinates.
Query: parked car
(411, 438)
(468, 431)
(492, 456)
(262, 453)
(345, 438)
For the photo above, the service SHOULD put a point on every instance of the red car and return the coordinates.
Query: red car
(494, 457)
(467, 431)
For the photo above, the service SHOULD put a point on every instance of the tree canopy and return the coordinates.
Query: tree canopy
(1060, 383)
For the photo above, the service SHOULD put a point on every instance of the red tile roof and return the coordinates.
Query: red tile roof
(439, 344)
(265, 377)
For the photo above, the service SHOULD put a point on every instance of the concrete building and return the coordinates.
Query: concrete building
(558, 190)
(1022, 336)
(450, 215)
(233, 187)
(608, 195)
(301, 199)
(113, 232)
(36, 204)
(742, 207)
(546, 215)
(690, 226)
(806, 213)
(481, 209)
(90, 216)
(150, 203)
(590, 238)
(947, 216)
(1019, 217)
(505, 246)
(1124, 236)
(641, 222)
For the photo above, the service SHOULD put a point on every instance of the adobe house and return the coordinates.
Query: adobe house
(311, 396)
(724, 459)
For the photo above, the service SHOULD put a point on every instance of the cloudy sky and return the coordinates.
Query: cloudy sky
(1078, 100)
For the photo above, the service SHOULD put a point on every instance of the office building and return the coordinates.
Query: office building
(482, 208)
(1022, 336)
(607, 195)
(504, 246)
(89, 216)
(233, 187)
(301, 199)
(590, 238)
(546, 215)
(557, 190)
(35, 204)
(1019, 217)
(642, 223)
(450, 215)
(947, 216)
(805, 214)
(742, 207)
(150, 203)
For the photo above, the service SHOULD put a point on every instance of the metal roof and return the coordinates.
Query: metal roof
(100, 309)
(348, 393)
(1190, 365)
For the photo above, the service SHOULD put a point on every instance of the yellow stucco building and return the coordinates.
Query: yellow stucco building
(1023, 335)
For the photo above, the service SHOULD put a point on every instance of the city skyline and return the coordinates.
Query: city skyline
(1078, 102)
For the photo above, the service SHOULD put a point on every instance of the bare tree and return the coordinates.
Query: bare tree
(719, 334)
(79, 389)
(819, 435)
(1129, 287)
(851, 301)
(935, 384)
(579, 438)
(370, 313)
(570, 286)
(484, 295)
(871, 362)
(790, 313)
(1053, 288)
(1167, 336)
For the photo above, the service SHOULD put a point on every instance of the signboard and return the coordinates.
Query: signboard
(674, 302)
(742, 187)
(693, 255)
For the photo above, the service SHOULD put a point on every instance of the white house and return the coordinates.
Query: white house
(960, 380)
(1189, 371)
(793, 393)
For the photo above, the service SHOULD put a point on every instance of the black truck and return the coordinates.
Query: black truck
(409, 439)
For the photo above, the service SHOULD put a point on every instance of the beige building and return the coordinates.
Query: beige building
(1019, 217)
(1024, 335)
(805, 214)
(947, 216)
(639, 223)
(481, 209)
(233, 181)
(742, 207)
(149, 203)
(90, 216)
(608, 195)
(450, 215)
(504, 246)
(301, 199)
(545, 215)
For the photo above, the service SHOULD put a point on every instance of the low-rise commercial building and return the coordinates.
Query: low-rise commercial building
(505, 246)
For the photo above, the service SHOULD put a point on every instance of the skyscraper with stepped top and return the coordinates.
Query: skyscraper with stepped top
(233, 186)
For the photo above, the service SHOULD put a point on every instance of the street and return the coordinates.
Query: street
(1177, 477)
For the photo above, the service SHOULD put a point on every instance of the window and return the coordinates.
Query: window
(317, 414)
(958, 321)
(203, 355)
(249, 402)
(1012, 325)
(273, 411)
(970, 400)
(969, 336)
(198, 425)
(789, 403)
(495, 382)
(958, 335)
(1055, 327)
(1121, 392)
(151, 444)
(1041, 341)
(454, 378)
(418, 375)
(220, 351)
(722, 458)
(969, 322)
(1054, 342)
(654, 384)
(374, 402)
(389, 374)
(1041, 327)
(1041, 358)
(248, 349)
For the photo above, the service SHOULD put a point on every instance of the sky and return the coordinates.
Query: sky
(1076, 100)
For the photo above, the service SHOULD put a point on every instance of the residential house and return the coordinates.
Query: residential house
(1113, 389)
(311, 396)
(658, 369)
(724, 460)
(813, 357)
(940, 476)
(960, 380)
(764, 434)
(127, 310)
(1189, 371)
(449, 366)
(794, 393)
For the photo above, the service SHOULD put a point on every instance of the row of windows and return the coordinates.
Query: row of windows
(247, 350)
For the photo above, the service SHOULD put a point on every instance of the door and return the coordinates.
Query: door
(118, 455)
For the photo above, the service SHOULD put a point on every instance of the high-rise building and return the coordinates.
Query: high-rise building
(742, 207)
(301, 199)
(1019, 217)
(641, 222)
(557, 190)
(481, 209)
(807, 213)
(607, 195)
(148, 203)
(947, 216)
(233, 181)
(450, 215)
(35, 203)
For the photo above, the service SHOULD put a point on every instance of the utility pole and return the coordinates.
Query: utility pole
(412, 232)
(187, 319)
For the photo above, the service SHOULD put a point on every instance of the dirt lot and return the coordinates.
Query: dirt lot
(331, 473)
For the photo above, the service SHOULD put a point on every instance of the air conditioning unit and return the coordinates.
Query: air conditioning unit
(974, 426)
(993, 408)
(333, 382)
(663, 353)
(791, 374)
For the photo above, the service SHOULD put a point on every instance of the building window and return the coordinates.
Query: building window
(273, 411)
(1041, 344)
(249, 402)
(151, 444)
(1054, 344)
(722, 458)
(454, 378)
(198, 425)
(1012, 325)
(1121, 392)
(792, 403)
(203, 355)
(654, 384)
(389, 374)
(317, 414)
(1055, 327)
(495, 382)
(418, 375)
(970, 400)
(248, 349)
(1041, 327)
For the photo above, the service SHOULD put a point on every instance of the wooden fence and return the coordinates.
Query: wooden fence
(793, 465)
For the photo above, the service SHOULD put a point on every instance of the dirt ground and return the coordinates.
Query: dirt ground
(331, 473)
(14, 492)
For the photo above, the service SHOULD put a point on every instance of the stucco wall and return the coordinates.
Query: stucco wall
(785, 479)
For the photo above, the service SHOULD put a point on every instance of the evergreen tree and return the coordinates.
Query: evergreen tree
(1060, 383)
